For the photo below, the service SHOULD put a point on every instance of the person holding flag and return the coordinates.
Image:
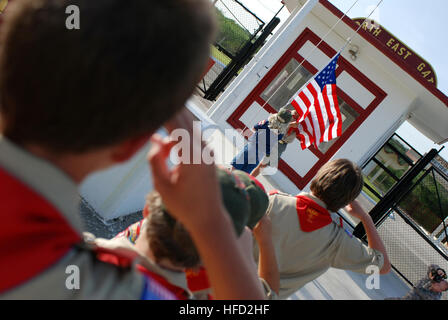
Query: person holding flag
(263, 141)
(283, 142)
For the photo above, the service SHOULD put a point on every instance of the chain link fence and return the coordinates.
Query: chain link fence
(238, 26)
(415, 232)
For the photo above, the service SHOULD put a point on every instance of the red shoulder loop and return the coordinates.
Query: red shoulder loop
(110, 257)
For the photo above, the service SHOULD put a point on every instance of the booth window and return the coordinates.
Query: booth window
(278, 93)
(348, 115)
(388, 166)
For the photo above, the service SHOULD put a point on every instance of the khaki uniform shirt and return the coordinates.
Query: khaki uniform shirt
(126, 248)
(304, 256)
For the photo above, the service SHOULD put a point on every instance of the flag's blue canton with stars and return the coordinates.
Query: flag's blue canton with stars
(327, 75)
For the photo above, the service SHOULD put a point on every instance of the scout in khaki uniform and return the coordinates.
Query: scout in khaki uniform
(167, 250)
(307, 242)
(41, 245)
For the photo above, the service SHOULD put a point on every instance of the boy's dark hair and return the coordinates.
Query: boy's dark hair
(168, 238)
(128, 69)
(337, 183)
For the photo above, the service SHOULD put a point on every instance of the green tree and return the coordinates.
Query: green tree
(231, 35)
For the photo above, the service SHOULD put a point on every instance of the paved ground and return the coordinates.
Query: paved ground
(408, 252)
(338, 284)
(94, 224)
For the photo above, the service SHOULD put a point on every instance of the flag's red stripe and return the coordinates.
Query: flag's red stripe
(306, 131)
(337, 126)
(297, 108)
(301, 136)
(308, 127)
(304, 107)
(304, 98)
(336, 107)
(329, 113)
(318, 114)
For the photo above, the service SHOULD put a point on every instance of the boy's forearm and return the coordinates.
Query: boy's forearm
(256, 171)
(267, 265)
(374, 240)
(228, 269)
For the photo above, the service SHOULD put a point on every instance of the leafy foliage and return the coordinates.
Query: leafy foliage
(422, 204)
(231, 35)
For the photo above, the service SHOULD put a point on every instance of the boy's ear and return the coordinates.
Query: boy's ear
(125, 150)
(145, 211)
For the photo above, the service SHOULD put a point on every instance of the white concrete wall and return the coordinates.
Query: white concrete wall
(120, 190)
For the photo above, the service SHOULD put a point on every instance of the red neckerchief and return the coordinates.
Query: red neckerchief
(33, 233)
(125, 262)
(311, 215)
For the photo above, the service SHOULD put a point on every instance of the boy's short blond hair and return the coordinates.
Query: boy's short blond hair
(337, 183)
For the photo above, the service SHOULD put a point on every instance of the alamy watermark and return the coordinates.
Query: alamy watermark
(253, 147)
(73, 21)
(72, 282)
(373, 280)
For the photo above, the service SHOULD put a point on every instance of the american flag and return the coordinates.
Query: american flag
(318, 108)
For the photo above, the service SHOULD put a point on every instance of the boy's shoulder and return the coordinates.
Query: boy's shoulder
(311, 212)
(120, 251)
(23, 210)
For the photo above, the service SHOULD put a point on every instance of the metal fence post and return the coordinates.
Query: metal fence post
(240, 60)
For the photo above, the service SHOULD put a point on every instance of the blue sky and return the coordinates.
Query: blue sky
(421, 25)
